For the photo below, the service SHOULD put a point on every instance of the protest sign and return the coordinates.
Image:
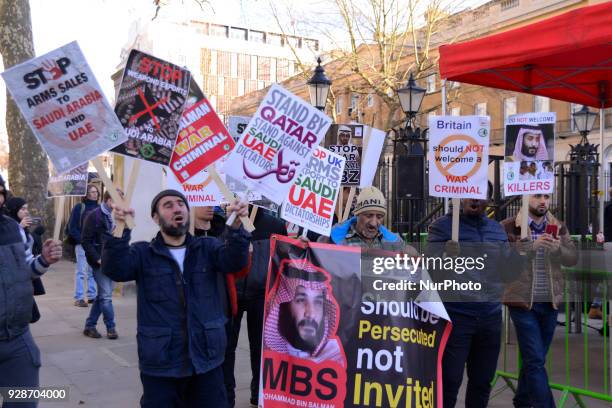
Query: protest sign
(200, 191)
(312, 198)
(202, 140)
(236, 126)
(70, 183)
(530, 154)
(458, 156)
(355, 348)
(277, 143)
(150, 104)
(347, 140)
(371, 155)
(64, 106)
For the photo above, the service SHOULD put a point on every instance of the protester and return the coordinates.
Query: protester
(181, 336)
(534, 298)
(365, 229)
(208, 222)
(3, 195)
(251, 291)
(302, 318)
(476, 336)
(83, 271)
(19, 354)
(97, 223)
(608, 218)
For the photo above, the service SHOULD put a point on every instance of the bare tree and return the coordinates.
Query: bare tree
(376, 43)
(28, 170)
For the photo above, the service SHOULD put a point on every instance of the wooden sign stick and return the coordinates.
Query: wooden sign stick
(339, 206)
(59, 215)
(349, 202)
(111, 188)
(253, 214)
(191, 220)
(525, 217)
(248, 225)
(129, 192)
(455, 223)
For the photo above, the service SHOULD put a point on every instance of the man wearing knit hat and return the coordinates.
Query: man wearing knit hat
(366, 228)
(181, 322)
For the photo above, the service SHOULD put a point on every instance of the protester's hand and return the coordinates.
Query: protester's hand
(241, 209)
(120, 214)
(52, 251)
(451, 248)
(547, 242)
(26, 221)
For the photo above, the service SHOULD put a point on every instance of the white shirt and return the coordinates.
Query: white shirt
(178, 253)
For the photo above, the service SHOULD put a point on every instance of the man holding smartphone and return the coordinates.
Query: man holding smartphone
(533, 299)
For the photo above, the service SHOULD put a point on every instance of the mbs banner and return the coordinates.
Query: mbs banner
(329, 341)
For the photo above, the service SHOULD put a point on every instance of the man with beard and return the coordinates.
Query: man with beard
(477, 315)
(534, 297)
(530, 145)
(181, 323)
(302, 315)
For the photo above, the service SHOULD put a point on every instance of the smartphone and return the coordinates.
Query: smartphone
(553, 230)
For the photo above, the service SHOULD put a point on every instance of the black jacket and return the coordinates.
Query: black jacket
(95, 225)
(254, 284)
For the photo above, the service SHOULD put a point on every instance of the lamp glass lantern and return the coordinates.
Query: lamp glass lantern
(318, 87)
(411, 97)
(584, 120)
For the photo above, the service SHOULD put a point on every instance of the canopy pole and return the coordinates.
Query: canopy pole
(443, 93)
(602, 172)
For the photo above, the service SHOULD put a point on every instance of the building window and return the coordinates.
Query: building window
(218, 30)
(354, 101)
(205, 61)
(508, 4)
(240, 87)
(370, 100)
(456, 111)
(338, 106)
(253, 66)
(541, 104)
(263, 70)
(282, 70)
(213, 62)
(274, 39)
(220, 85)
(574, 107)
(294, 42)
(509, 107)
(224, 63)
(244, 66)
(273, 77)
(480, 109)
(431, 83)
(257, 36)
(234, 64)
(238, 34)
(312, 45)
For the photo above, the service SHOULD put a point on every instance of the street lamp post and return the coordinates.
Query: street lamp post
(318, 87)
(584, 159)
(409, 147)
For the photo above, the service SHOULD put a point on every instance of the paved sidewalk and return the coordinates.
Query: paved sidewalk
(100, 372)
(104, 373)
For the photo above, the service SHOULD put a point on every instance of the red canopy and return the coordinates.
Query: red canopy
(566, 57)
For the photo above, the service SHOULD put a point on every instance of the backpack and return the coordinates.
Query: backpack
(69, 239)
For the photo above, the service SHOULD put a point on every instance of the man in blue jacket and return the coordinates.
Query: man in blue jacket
(476, 317)
(181, 323)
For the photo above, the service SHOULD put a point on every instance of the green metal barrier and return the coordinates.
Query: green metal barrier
(567, 388)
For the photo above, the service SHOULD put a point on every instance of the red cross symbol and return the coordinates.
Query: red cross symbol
(148, 108)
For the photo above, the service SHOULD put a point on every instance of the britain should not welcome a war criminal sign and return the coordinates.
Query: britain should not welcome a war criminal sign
(458, 156)
(150, 105)
(70, 183)
(64, 105)
(312, 198)
(277, 143)
(530, 154)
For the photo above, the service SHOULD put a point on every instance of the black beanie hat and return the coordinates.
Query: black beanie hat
(166, 193)
(13, 205)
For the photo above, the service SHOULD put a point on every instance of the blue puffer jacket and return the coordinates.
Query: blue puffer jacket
(177, 329)
(477, 236)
